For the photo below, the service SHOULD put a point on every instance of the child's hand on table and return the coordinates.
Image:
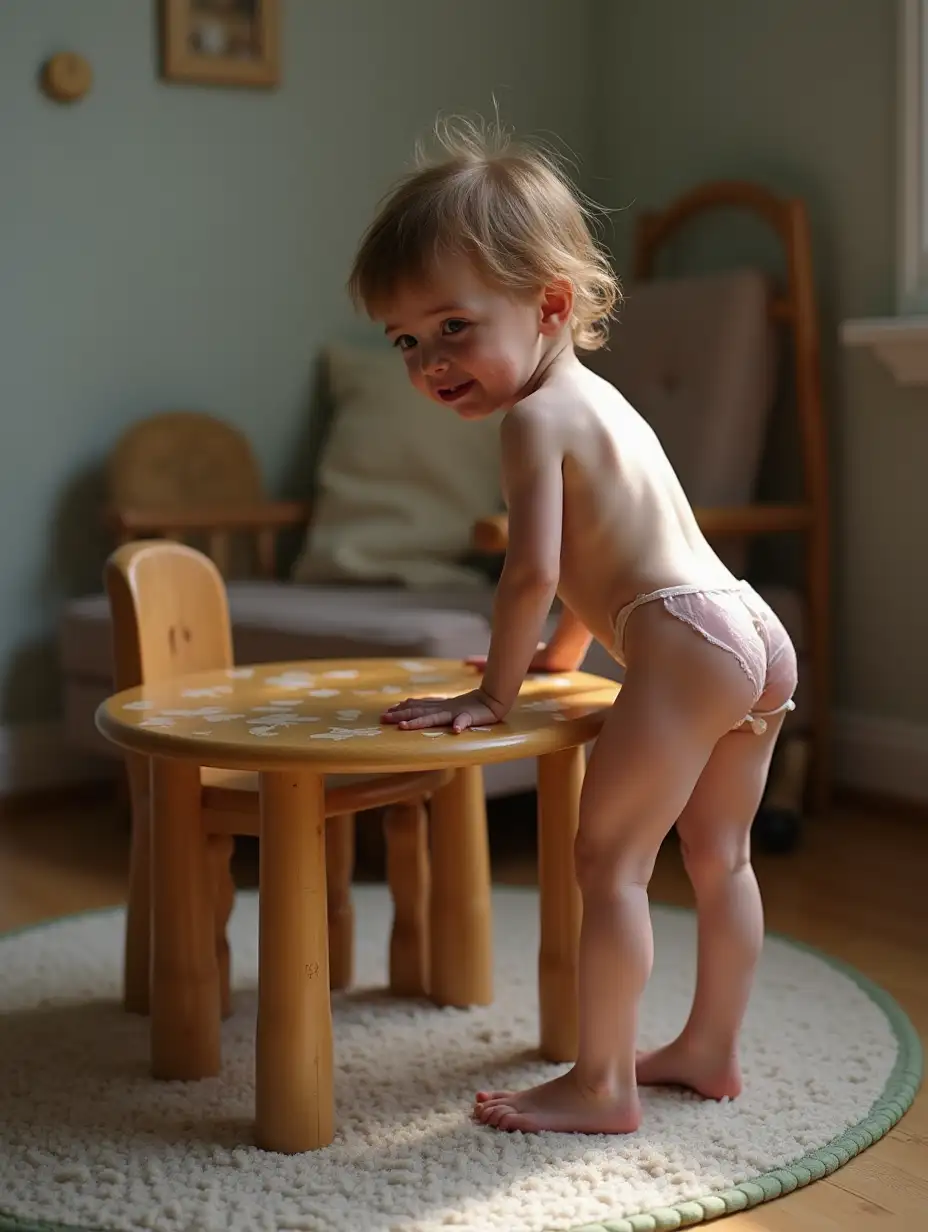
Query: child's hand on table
(472, 709)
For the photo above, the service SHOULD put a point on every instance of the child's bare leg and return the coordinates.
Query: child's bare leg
(714, 833)
(650, 753)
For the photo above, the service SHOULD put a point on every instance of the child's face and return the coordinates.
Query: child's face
(466, 345)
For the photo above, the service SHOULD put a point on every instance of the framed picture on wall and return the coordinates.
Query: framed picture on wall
(221, 42)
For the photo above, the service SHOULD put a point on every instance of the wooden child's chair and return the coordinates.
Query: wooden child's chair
(170, 617)
(190, 477)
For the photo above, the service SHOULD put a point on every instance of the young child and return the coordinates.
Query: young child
(483, 269)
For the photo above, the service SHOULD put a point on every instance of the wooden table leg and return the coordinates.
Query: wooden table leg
(185, 1009)
(461, 915)
(294, 1109)
(560, 780)
(339, 871)
(406, 828)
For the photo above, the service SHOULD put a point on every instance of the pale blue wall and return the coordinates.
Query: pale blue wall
(165, 246)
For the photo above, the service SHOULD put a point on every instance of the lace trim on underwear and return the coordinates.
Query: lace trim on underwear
(742, 662)
(667, 592)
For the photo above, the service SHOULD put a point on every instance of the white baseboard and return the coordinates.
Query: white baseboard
(885, 756)
(37, 756)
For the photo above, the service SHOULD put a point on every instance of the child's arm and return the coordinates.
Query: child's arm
(568, 646)
(527, 586)
(566, 651)
(533, 480)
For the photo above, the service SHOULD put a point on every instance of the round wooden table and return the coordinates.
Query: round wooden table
(294, 723)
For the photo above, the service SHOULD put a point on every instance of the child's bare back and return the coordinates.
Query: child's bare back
(627, 527)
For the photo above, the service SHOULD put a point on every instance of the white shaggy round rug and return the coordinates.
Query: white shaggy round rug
(89, 1140)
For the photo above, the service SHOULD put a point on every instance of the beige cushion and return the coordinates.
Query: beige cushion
(401, 480)
(280, 620)
(697, 357)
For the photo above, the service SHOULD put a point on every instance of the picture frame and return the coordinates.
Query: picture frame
(221, 42)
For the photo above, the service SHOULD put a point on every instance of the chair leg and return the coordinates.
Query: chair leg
(778, 824)
(186, 1043)
(339, 870)
(220, 849)
(819, 638)
(137, 945)
(408, 874)
(122, 797)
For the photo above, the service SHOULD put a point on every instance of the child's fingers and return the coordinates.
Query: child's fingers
(433, 718)
(400, 713)
(418, 702)
(407, 710)
(410, 701)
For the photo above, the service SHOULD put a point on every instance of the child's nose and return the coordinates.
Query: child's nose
(433, 362)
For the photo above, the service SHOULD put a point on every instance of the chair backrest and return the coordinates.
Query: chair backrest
(793, 306)
(183, 460)
(169, 612)
(709, 386)
(697, 358)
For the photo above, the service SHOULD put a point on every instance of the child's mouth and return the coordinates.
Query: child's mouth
(454, 392)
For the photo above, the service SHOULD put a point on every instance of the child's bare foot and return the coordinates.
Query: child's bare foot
(563, 1105)
(683, 1064)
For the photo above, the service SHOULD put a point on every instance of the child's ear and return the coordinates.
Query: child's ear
(557, 302)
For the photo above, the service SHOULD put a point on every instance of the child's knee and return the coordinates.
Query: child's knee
(605, 863)
(711, 857)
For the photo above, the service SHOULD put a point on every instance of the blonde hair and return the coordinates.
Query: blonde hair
(506, 207)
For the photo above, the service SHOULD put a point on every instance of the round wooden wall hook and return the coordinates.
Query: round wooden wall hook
(66, 77)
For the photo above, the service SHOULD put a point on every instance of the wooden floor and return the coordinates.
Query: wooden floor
(857, 888)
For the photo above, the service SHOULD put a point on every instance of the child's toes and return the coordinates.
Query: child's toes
(491, 1110)
(496, 1114)
(483, 1096)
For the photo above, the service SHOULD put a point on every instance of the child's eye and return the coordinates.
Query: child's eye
(454, 326)
(405, 342)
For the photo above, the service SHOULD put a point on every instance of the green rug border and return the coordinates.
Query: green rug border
(898, 1096)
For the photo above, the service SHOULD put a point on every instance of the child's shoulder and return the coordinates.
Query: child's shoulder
(549, 401)
(532, 417)
(532, 430)
(581, 398)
